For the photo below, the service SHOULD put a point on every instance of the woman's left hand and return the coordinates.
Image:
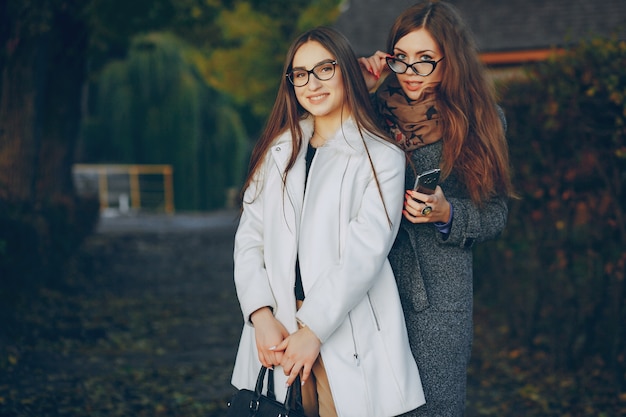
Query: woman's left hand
(300, 350)
(426, 208)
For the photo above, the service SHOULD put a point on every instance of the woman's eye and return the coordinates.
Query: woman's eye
(298, 74)
(401, 57)
(426, 58)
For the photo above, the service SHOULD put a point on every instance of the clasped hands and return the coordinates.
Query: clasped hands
(294, 352)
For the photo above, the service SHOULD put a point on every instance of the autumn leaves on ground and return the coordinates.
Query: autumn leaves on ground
(146, 323)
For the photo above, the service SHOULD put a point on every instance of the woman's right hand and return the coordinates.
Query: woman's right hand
(269, 333)
(373, 68)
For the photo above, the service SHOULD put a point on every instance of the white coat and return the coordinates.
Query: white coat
(342, 236)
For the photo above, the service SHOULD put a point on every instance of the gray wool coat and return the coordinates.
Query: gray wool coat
(434, 276)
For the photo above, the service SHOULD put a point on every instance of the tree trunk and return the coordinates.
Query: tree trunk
(42, 76)
(42, 70)
(61, 106)
(17, 117)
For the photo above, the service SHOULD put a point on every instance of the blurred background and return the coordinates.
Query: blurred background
(112, 108)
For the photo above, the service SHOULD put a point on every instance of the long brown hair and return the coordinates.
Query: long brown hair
(287, 112)
(474, 145)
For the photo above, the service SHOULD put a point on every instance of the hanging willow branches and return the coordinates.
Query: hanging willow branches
(155, 107)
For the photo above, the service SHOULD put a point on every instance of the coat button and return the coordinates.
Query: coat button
(278, 149)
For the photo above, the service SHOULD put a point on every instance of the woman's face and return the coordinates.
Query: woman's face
(418, 46)
(323, 99)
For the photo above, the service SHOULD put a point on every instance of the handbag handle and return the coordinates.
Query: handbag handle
(270, 384)
(293, 398)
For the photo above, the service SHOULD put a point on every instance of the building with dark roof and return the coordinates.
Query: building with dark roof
(508, 32)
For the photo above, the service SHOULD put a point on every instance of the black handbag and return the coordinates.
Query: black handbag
(247, 403)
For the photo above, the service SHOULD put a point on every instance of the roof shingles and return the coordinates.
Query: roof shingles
(498, 25)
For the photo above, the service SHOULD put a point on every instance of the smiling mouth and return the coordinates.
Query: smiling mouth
(413, 85)
(318, 97)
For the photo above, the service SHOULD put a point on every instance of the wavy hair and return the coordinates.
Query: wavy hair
(474, 144)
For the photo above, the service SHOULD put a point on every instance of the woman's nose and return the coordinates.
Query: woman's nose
(314, 83)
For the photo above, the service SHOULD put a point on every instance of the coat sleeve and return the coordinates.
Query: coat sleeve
(472, 224)
(369, 237)
(251, 280)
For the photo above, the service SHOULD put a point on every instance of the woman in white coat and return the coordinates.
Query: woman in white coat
(321, 208)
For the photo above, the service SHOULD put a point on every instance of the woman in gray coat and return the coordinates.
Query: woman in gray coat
(437, 104)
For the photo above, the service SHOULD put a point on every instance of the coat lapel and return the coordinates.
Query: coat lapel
(281, 152)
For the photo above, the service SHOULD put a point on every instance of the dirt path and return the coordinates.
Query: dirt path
(146, 324)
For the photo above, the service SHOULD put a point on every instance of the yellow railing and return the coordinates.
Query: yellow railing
(116, 184)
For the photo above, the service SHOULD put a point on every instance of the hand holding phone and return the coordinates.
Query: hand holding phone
(427, 181)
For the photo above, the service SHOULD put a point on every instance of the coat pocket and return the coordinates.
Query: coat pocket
(406, 268)
(373, 310)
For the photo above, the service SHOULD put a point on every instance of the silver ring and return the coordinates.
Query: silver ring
(427, 210)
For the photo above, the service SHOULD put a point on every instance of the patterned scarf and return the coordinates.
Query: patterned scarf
(412, 124)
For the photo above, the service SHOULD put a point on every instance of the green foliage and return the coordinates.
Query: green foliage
(155, 107)
(247, 38)
(168, 113)
(319, 13)
(256, 36)
(244, 69)
(565, 244)
(114, 23)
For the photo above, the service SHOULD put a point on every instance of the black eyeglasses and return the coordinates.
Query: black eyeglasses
(423, 68)
(323, 71)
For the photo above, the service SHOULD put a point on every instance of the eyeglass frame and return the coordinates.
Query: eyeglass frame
(431, 62)
(312, 71)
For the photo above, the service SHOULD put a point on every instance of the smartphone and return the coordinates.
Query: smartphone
(426, 182)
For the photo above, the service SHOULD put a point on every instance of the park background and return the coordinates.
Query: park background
(189, 83)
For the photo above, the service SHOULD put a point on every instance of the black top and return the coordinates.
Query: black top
(310, 153)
